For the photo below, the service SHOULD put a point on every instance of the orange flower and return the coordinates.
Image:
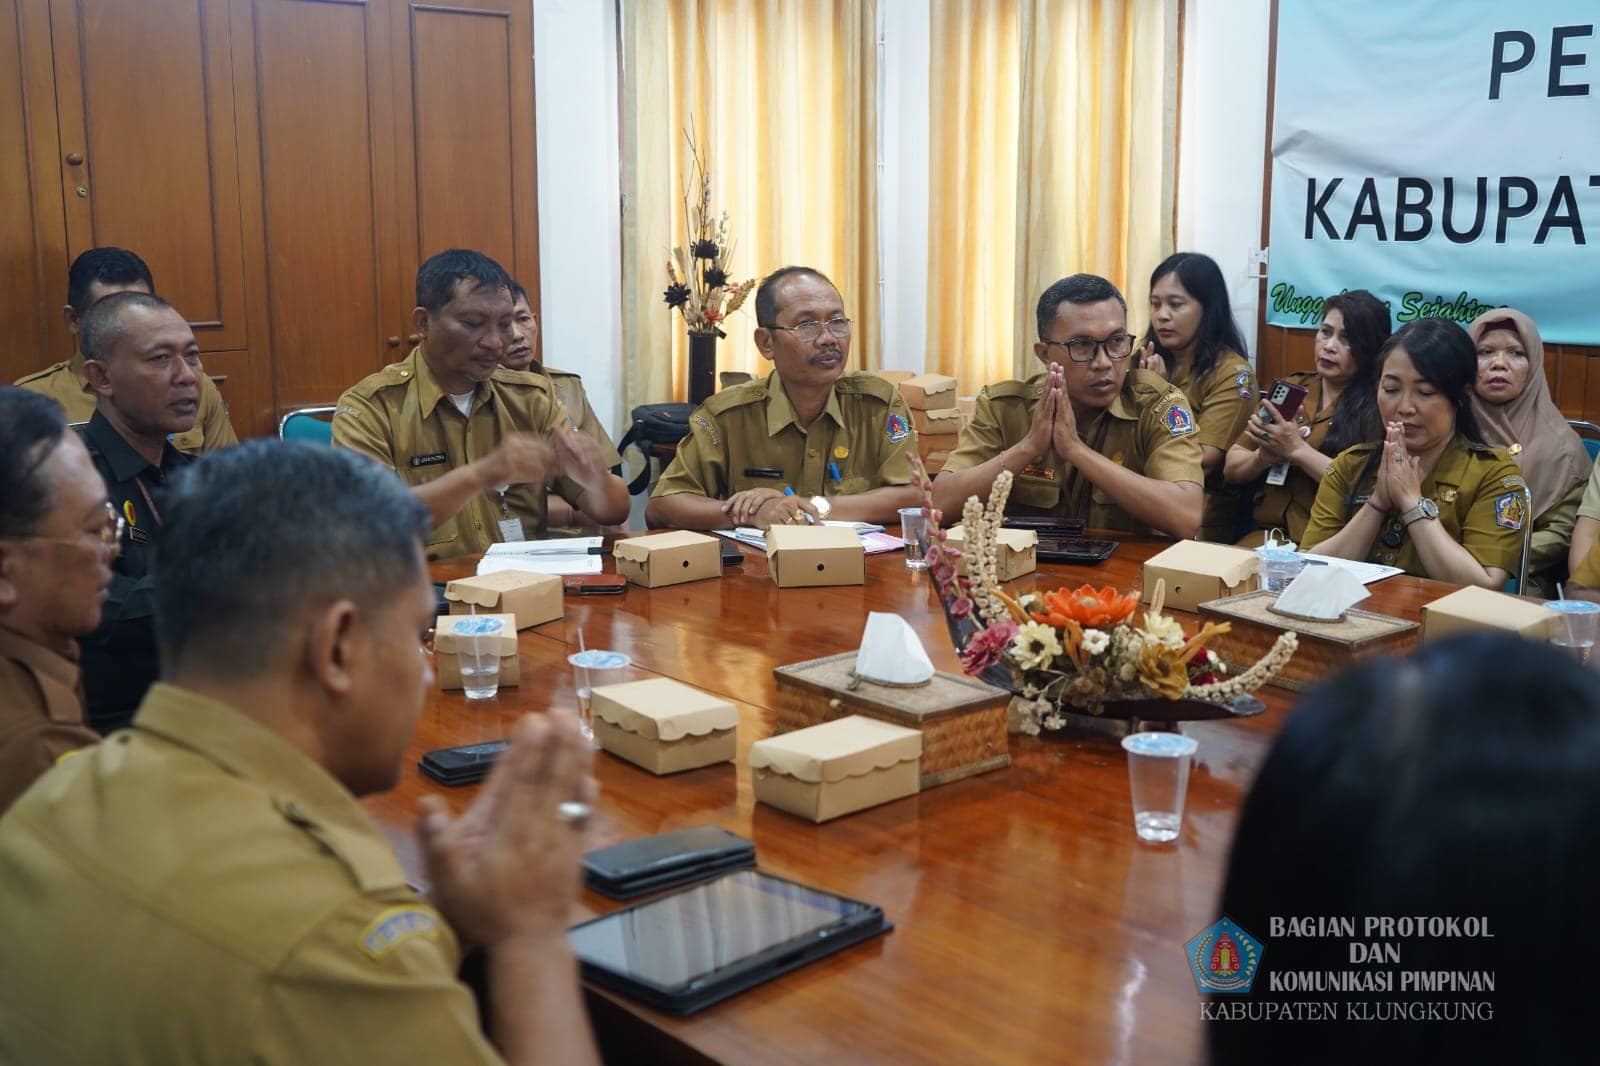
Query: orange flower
(1088, 606)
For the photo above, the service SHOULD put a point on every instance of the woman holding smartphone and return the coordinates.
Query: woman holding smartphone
(1285, 456)
(1194, 343)
(1432, 499)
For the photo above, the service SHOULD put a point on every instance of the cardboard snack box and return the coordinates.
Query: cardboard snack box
(662, 559)
(801, 556)
(929, 392)
(943, 422)
(449, 667)
(663, 725)
(1471, 609)
(532, 598)
(837, 767)
(1196, 571)
(1018, 548)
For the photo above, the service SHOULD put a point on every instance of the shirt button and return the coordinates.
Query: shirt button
(811, 452)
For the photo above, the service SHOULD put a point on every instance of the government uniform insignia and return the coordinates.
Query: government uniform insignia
(1223, 958)
(1448, 495)
(1245, 383)
(1510, 510)
(711, 431)
(1038, 470)
(898, 429)
(841, 452)
(397, 925)
(1178, 421)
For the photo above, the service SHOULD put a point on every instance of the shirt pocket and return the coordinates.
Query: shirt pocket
(851, 485)
(739, 481)
(1035, 491)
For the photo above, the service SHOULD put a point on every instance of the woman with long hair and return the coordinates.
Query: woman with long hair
(1194, 343)
(1285, 459)
(1513, 406)
(1432, 499)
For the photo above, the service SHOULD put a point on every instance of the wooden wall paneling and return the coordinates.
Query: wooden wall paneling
(465, 111)
(145, 94)
(324, 148)
(33, 236)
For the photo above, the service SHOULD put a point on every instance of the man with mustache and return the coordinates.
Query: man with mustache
(1086, 439)
(807, 443)
(142, 360)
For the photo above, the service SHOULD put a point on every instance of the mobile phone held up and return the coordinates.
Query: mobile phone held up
(1286, 396)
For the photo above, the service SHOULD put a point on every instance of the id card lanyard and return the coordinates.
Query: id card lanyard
(510, 525)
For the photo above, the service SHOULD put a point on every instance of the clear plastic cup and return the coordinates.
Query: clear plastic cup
(1278, 568)
(1575, 627)
(1158, 775)
(594, 669)
(478, 654)
(913, 528)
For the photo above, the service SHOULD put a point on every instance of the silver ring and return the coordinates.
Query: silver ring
(573, 813)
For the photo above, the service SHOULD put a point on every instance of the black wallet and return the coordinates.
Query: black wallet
(666, 860)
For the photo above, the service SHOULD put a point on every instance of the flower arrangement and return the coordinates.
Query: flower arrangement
(698, 282)
(1073, 648)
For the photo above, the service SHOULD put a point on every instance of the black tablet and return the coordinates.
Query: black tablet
(689, 949)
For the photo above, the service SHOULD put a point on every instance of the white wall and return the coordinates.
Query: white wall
(1222, 142)
(580, 196)
(903, 181)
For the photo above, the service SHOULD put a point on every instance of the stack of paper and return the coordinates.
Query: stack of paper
(567, 555)
(874, 541)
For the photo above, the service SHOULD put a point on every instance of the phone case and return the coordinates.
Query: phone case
(665, 860)
(1286, 397)
(593, 584)
(463, 765)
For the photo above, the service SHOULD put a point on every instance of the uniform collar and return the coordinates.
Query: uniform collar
(125, 463)
(780, 411)
(1122, 404)
(49, 665)
(429, 392)
(302, 791)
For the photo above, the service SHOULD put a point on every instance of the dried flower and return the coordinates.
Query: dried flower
(676, 295)
(1035, 646)
(1088, 606)
(985, 649)
(716, 278)
(1162, 629)
(1095, 641)
(703, 249)
(960, 607)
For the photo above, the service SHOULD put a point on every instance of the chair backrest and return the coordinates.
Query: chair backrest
(1589, 433)
(314, 424)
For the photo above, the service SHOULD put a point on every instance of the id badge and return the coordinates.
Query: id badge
(510, 529)
(1278, 472)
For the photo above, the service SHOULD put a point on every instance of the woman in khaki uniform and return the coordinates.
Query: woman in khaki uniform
(1431, 499)
(1512, 403)
(1194, 343)
(1283, 461)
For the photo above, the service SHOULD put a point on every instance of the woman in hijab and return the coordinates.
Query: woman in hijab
(1516, 414)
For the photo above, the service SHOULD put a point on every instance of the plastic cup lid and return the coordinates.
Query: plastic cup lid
(1573, 606)
(597, 659)
(471, 625)
(1165, 745)
(1277, 555)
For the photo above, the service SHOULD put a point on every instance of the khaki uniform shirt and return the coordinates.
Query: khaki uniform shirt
(1288, 506)
(746, 437)
(400, 417)
(197, 890)
(1147, 428)
(1587, 572)
(65, 384)
(1222, 403)
(41, 713)
(1477, 489)
(569, 388)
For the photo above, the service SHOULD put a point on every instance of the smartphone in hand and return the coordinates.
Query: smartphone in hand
(1286, 396)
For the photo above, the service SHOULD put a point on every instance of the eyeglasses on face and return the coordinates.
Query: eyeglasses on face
(109, 534)
(808, 332)
(1082, 349)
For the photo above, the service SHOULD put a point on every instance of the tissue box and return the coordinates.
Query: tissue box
(1325, 647)
(444, 646)
(836, 768)
(1468, 609)
(943, 422)
(798, 556)
(532, 598)
(929, 392)
(1017, 548)
(664, 726)
(962, 721)
(662, 559)
(1196, 572)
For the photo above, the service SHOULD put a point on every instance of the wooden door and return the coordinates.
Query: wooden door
(317, 126)
(465, 115)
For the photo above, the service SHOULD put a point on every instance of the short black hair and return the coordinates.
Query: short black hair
(437, 278)
(519, 293)
(767, 298)
(108, 266)
(31, 425)
(102, 328)
(255, 536)
(1077, 289)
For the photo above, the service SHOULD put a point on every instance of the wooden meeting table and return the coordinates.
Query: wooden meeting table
(1031, 925)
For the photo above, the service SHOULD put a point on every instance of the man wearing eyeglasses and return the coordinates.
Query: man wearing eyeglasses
(810, 442)
(1086, 439)
(57, 540)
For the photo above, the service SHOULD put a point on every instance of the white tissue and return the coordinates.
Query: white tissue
(1324, 592)
(891, 653)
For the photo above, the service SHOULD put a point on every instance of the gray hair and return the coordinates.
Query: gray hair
(102, 328)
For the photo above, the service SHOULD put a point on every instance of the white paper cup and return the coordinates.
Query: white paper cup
(1158, 775)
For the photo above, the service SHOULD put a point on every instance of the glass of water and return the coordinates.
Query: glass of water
(913, 528)
(478, 643)
(1158, 774)
(1574, 627)
(592, 669)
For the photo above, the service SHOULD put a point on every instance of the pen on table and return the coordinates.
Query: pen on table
(598, 549)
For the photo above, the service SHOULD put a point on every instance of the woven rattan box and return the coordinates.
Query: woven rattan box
(962, 721)
(1325, 647)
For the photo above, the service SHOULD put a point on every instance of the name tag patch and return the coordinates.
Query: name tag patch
(1510, 510)
(762, 471)
(397, 925)
(427, 460)
(1178, 421)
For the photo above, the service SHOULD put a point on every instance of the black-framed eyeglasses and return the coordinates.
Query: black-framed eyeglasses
(1082, 349)
(109, 534)
(808, 332)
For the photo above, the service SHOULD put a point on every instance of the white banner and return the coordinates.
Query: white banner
(1444, 155)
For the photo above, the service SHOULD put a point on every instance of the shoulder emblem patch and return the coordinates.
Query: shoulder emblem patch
(898, 429)
(1178, 420)
(1510, 510)
(1245, 383)
(397, 925)
(711, 431)
(1512, 481)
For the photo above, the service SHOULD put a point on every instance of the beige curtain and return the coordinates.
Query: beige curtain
(1053, 149)
(782, 95)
